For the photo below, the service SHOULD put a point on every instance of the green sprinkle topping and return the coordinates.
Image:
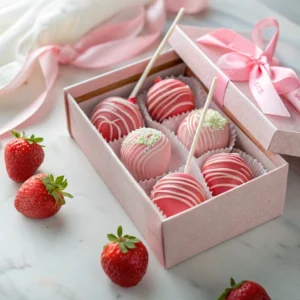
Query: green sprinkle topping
(213, 119)
(146, 136)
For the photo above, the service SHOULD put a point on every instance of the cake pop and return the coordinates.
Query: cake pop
(215, 133)
(169, 97)
(225, 171)
(146, 153)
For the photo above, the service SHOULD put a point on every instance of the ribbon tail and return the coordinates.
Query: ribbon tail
(114, 52)
(49, 66)
(265, 94)
(117, 51)
(24, 71)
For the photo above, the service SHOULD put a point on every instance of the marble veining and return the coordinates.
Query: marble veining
(59, 258)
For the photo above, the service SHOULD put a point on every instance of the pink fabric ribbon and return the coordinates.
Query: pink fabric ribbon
(104, 46)
(246, 61)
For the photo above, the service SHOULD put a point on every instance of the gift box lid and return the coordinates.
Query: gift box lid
(273, 133)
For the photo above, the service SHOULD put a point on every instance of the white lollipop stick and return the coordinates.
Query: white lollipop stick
(156, 54)
(200, 125)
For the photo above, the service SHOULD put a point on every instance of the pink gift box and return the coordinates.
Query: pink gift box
(273, 133)
(191, 232)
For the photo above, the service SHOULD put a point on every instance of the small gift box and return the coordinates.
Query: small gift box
(258, 94)
(183, 235)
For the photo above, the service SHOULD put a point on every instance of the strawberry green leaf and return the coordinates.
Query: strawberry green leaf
(120, 231)
(123, 248)
(132, 238)
(135, 240)
(129, 244)
(38, 140)
(232, 282)
(227, 291)
(55, 195)
(56, 189)
(67, 195)
(112, 237)
(126, 242)
(59, 179)
(31, 140)
(15, 134)
(48, 187)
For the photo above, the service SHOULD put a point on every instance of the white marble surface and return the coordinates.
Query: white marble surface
(58, 258)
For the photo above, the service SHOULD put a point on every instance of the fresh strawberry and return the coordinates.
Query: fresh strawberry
(245, 290)
(23, 156)
(41, 196)
(124, 259)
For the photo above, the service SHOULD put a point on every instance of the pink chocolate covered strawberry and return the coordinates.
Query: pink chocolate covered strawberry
(23, 156)
(41, 196)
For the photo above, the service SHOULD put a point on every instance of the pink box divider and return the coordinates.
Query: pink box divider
(177, 238)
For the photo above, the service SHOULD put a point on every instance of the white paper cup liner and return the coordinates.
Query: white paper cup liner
(256, 167)
(115, 145)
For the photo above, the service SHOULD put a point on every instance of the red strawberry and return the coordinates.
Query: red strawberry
(41, 196)
(124, 259)
(23, 156)
(245, 290)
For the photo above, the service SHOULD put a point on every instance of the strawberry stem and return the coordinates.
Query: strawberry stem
(31, 140)
(227, 291)
(125, 242)
(56, 187)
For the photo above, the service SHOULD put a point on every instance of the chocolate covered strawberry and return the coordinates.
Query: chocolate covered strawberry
(245, 290)
(23, 156)
(41, 196)
(124, 259)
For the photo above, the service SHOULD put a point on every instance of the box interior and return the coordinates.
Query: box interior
(243, 142)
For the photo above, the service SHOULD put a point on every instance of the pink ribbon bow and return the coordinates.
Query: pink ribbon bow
(104, 46)
(246, 61)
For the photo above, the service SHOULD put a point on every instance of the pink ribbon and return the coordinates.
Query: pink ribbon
(104, 46)
(246, 61)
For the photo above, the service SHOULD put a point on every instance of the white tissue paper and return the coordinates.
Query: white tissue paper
(28, 24)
